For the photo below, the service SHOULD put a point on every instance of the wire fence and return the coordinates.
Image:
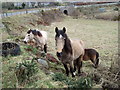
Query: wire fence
(18, 13)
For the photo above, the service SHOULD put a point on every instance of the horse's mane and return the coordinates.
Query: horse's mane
(67, 46)
(35, 32)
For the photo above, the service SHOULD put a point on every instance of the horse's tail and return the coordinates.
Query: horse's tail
(97, 55)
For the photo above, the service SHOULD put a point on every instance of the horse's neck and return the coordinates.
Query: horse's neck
(37, 38)
(67, 46)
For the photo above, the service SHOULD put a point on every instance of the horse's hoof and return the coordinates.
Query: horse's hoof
(82, 74)
(95, 66)
(67, 75)
(73, 75)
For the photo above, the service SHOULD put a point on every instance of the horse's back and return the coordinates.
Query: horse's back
(91, 53)
(43, 39)
(44, 34)
(78, 47)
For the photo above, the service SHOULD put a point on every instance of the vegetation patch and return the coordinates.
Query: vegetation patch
(49, 16)
(59, 77)
(25, 70)
(82, 82)
(108, 16)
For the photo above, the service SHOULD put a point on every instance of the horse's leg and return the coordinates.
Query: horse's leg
(42, 47)
(71, 69)
(79, 64)
(45, 48)
(75, 65)
(66, 68)
(93, 59)
(97, 62)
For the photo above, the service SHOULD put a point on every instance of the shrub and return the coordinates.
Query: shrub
(59, 77)
(33, 50)
(16, 7)
(50, 16)
(42, 11)
(20, 8)
(116, 9)
(25, 70)
(23, 5)
(108, 16)
(10, 8)
(84, 82)
(116, 18)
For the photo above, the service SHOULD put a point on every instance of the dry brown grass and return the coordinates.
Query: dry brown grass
(108, 16)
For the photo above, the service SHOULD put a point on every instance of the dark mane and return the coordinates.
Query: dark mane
(67, 46)
(39, 34)
(35, 32)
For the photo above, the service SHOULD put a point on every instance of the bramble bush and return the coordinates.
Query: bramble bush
(25, 70)
(83, 82)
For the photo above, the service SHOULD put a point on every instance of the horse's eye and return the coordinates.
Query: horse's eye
(28, 35)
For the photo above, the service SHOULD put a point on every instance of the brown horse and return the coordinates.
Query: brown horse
(93, 55)
(69, 51)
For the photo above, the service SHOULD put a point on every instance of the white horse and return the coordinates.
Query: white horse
(37, 38)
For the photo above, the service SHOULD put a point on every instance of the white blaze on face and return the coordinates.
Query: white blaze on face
(26, 39)
(60, 43)
(60, 36)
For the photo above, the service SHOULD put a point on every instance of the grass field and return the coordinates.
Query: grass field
(101, 35)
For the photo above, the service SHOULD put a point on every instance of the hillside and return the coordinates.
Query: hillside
(101, 35)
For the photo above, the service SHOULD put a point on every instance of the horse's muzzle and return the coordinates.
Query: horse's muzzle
(59, 54)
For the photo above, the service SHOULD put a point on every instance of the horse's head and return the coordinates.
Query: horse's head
(30, 36)
(60, 40)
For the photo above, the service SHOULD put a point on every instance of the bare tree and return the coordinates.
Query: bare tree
(33, 4)
(23, 5)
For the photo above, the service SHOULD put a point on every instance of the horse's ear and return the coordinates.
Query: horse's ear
(29, 31)
(56, 29)
(34, 32)
(64, 29)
